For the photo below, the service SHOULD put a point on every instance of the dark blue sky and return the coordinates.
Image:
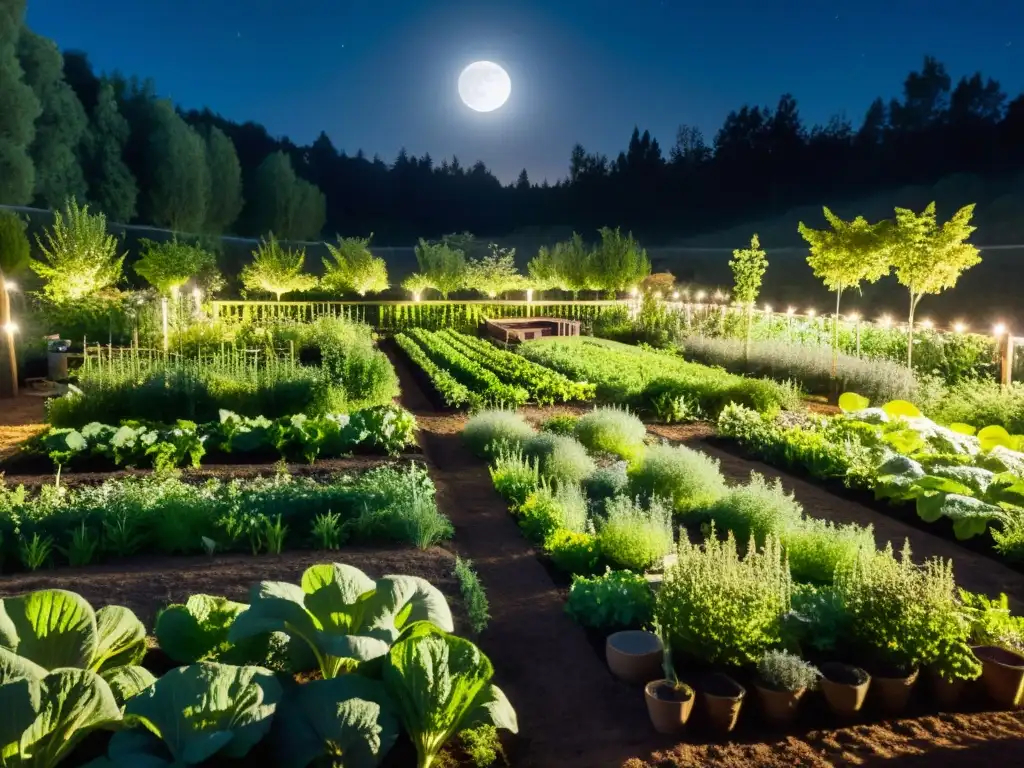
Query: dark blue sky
(381, 74)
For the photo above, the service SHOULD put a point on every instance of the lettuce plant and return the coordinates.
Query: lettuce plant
(193, 713)
(45, 715)
(441, 685)
(349, 720)
(341, 614)
(54, 628)
(198, 631)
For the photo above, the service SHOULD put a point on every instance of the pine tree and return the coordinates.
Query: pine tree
(225, 182)
(112, 186)
(19, 109)
(60, 126)
(181, 178)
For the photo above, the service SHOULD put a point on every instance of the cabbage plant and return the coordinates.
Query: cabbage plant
(342, 615)
(441, 685)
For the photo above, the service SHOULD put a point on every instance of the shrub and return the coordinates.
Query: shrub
(552, 508)
(612, 430)
(633, 537)
(488, 432)
(606, 482)
(782, 671)
(562, 459)
(616, 600)
(689, 479)
(903, 615)
(560, 424)
(980, 403)
(575, 553)
(514, 476)
(473, 595)
(810, 365)
(723, 608)
(756, 509)
(815, 548)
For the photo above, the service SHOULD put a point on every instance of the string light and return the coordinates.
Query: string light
(811, 312)
(959, 327)
(926, 324)
(854, 316)
(885, 321)
(10, 286)
(790, 311)
(11, 328)
(675, 295)
(768, 308)
(999, 329)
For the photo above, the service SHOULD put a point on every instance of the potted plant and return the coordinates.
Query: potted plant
(845, 687)
(998, 639)
(669, 701)
(723, 698)
(782, 679)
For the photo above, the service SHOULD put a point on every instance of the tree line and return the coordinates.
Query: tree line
(109, 140)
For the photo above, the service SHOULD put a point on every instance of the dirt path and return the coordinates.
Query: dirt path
(974, 571)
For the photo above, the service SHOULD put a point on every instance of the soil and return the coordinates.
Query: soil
(720, 685)
(148, 584)
(844, 674)
(666, 692)
(20, 418)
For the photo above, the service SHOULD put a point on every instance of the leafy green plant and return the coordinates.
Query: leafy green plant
(482, 745)
(816, 548)
(169, 265)
(54, 628)
(573, 552)
(354, 268)
(79, 257)
(340, 615)
(454, 393)
(276, 269)
(442, 267)
(758, 509)
(468, 369)
(14, 246)
(327, 530)
(489, 432)
(906, 615)
(473, 595)
(690, 480)
(723, 608)
(783, 671)
(35, 550)
(612, 430)
(514, 476)
(196, 712)
(274, 534)
(560, 424)
(82, 548)
(632, 537)
(198, 631)
(495, 273)
(561, 459)
(441, 686)
(612, 601)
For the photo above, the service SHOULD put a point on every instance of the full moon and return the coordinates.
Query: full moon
(484, 86)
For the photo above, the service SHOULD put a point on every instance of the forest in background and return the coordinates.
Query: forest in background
(109, 139)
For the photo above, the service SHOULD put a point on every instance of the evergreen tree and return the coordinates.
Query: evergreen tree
(111, 184)
(181, 178)
(225, 182)
(309, 211)
(14, 245)
(19, 109)
(60, 126)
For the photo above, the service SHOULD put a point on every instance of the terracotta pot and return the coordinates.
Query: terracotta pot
(634, 656)
(893, 693)
(845, 687)
(667, 710)
(1002, 674)
(723, 698)
(780, 707)
(946, 693)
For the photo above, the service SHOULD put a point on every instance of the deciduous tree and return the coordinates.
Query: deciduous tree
(277, 270)
(181, 177)
(442, 267)
(748, 266)
(171, 264)
(494, 273)
(225, 182)
(929, 257)
(19, 109)
(619, 263)
(354, 267)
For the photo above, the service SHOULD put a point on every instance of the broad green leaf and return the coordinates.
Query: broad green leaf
(197, 630)
(492, 707)
(941, 484)
(336, 595)
(929, 506)
(994, 435)
(402, 600)
(849, 402)
(906, 441)
(438, 682)
(19, 705)
(202, 710)
(14, 667)
(127, 682)
(52, 627)
(121, 638)
(68, 705)
(961, 428)
(349, 720)
(896, 409)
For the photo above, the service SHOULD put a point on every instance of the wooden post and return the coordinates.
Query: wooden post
(9, 368)
(1006, 360)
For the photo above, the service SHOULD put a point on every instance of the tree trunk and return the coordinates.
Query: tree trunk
(8, 360)
(746, 343)
(835, 336)
(910, 333)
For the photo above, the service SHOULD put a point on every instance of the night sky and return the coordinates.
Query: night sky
(381, 74)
